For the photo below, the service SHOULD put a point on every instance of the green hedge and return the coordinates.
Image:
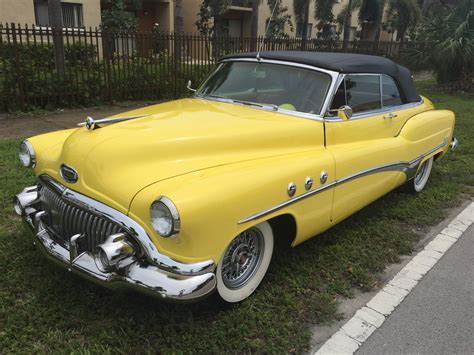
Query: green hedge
(87, 81)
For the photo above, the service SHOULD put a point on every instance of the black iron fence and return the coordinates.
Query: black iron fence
(101, 67)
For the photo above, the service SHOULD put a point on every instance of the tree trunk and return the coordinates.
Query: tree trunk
(377, 34)
(56, 23)
(304, 30)
(178, 28)
(347, 25)
(254, 26)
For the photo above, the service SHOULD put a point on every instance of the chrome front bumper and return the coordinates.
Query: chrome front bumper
(162, 276)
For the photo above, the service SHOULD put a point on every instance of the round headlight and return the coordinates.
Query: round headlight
(27, 155)
(164, 217)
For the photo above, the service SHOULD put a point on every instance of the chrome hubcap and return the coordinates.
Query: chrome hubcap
(421, 173)
(242, 258)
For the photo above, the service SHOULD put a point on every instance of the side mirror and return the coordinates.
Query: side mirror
(189, 86)
(344, 112)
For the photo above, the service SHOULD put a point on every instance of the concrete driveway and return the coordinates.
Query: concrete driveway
(15, 127)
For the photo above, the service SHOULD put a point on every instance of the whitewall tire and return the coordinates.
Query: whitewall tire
(244, 263)
(418, 183)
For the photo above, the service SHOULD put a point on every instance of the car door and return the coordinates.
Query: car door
(364, 146)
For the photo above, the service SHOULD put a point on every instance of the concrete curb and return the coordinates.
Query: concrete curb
(370, 317)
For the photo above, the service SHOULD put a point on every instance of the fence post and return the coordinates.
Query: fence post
(19, 76)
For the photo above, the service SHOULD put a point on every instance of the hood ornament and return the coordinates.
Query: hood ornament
(92, 123)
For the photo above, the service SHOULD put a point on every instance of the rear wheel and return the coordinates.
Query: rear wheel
(418, 183)
(244, 263)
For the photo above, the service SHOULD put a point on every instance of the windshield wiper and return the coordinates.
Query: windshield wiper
(242, 102)
(250, 103)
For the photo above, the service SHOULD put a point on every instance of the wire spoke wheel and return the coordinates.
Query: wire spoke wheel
(242, 258)
(244, 263)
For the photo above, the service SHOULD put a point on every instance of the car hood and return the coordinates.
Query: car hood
(117, 160)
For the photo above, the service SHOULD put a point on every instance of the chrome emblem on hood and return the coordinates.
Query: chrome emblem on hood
(68, 173)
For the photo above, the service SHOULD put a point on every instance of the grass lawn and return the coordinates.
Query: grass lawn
(45, 309)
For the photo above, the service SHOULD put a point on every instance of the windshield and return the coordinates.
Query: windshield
(275, 85)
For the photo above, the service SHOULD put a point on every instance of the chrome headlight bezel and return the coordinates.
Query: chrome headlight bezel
(26, 154)
(168, 208)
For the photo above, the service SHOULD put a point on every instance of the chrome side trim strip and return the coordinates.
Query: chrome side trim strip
(408, 167)
(134, 229)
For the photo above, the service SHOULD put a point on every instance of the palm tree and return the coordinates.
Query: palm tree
(56, 22)
(178, 28)
(254, 24)
(178, 16)
(347, 24)
(451, 49)
(301, 11)
(404, 14)
(371, 14)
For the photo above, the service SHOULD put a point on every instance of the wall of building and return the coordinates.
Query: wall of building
(190, 13)
(23, 11)
(264, 13)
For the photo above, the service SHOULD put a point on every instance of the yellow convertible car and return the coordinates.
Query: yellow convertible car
(183, 198)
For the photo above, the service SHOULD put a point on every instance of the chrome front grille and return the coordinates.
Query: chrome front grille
(65, 220)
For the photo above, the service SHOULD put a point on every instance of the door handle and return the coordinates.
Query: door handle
(390, 115)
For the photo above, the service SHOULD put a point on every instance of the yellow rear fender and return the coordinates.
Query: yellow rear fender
(428, 134)
(212, 203)
(428, 130)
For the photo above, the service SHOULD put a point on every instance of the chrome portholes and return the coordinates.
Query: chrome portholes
(308, 183)
(242, 258)
(291, 189)
(323, 177)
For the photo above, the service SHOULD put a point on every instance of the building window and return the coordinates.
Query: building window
(299, 30)
(72, 14)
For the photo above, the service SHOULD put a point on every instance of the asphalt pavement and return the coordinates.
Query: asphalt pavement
(437, 317)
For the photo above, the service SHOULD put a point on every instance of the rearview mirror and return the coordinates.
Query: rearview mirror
(189, 86)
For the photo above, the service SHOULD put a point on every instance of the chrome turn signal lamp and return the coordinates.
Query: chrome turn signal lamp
(165, 217)
(27, 155)
(112, 251)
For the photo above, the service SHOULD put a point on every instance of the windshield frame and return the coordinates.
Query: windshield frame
(318, 117)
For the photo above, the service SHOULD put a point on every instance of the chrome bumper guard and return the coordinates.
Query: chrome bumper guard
(166, 278)
(454, 144)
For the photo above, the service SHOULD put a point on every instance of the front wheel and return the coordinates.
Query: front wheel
(418, 183)
(244, 263)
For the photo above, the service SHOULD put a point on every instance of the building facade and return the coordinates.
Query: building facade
(76, 13)
(153, 13)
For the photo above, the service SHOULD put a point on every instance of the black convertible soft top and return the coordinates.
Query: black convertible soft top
(348, 63)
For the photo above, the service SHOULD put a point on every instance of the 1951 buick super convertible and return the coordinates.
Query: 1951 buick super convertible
(182, 198)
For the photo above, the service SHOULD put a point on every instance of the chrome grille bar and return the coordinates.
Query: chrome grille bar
(66, 220)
